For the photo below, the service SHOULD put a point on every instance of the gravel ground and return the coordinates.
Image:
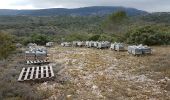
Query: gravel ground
(88, 73)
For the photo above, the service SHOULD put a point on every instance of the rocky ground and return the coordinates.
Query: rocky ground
(88, 73)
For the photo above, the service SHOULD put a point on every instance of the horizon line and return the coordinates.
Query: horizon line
(69, 8)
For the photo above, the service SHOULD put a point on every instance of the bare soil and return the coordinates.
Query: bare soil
(88, 73)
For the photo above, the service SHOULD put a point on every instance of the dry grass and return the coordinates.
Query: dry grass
(105, 74)
(10, 89)
(86, 73)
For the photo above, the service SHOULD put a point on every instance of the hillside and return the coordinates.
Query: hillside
(84, 73)
(87, 73)
(86, 11)
(157, 17)
(89, 27)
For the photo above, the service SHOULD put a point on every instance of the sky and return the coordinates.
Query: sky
(147, 5)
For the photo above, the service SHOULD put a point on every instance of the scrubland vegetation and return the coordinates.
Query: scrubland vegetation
(151, 29)
(83, 73)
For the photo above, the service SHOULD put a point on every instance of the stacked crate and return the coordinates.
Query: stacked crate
(30, 55)
(96, 44)
(80, 43)
(49, 44)
(91, 44)
(66, 44)
(36, 55)
(41, 54)
(139, 50)
(74, 43)
(33, 54)
(103, 44)
(117, 46)
(87, 43)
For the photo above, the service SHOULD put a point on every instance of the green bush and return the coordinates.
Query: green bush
(76, 37)
(105, 37)
(10, 89)
(147, 35)
(94, 38)
(89, 37)
(6, 45)
(39, 39)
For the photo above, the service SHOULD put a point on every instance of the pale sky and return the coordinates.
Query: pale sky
(147, 5)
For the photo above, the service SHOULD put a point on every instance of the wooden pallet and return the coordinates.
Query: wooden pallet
(30, 57)
(36, 73)
(36, 62)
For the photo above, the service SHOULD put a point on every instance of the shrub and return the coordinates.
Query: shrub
(105, 37)
(40, 39)
(147, 35)
(11, 89)
(94, 38)
(76, 37)
(6, 45)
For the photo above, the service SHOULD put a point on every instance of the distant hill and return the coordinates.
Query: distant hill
(86, 11)
(157, 17)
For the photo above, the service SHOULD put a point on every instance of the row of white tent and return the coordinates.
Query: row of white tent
(134, 49)
(36, 55)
